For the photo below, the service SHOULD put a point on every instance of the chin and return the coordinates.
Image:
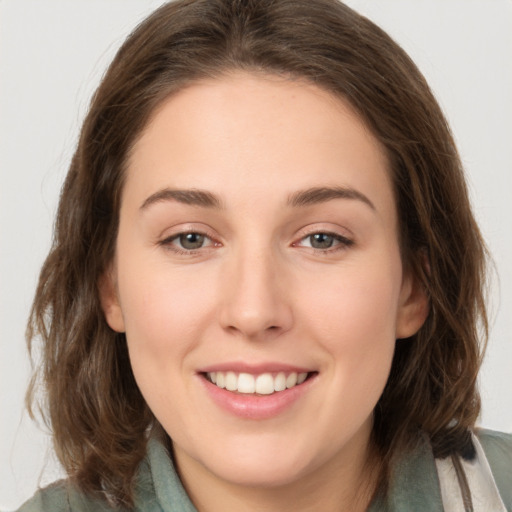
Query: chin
(260, 466)
(250, 474)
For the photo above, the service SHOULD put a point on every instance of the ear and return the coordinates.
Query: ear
(109, 299)
(413, 307)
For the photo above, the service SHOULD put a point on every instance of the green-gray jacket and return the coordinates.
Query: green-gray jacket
(415, 486)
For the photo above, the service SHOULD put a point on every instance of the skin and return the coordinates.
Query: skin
(257, 291)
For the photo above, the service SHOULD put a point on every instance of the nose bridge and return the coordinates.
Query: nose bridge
(255, 301)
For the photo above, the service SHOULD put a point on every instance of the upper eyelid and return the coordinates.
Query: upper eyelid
(324, 232)
(341, 238)
(169, 244)
(172, 238)
(182, 229)
(344, 233)
(345, 236)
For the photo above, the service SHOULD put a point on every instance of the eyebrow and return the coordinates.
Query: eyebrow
(318, 195)
(192, 197)
(301, 198)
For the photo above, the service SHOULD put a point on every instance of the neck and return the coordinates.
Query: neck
(342, 484)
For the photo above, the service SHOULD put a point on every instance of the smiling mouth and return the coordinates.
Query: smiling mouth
(261, 384)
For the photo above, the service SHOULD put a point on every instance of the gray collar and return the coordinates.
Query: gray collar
(414, 484)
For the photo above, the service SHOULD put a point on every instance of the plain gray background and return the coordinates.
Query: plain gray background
(52, 55)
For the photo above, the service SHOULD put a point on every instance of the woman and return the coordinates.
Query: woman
(266, 281)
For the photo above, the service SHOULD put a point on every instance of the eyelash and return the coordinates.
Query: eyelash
(168, 242)
(340, 242)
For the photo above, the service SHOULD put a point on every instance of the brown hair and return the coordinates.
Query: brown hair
(99, 419)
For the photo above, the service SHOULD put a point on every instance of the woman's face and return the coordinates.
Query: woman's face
(258, 246)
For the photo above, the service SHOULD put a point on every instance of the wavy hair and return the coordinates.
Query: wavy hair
(99, 419)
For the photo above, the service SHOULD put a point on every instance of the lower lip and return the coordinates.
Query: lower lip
(256, 407)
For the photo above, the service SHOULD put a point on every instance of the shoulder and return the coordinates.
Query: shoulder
(156, 487)
(498, 450)
(62, 496)
(497, 443)
(54, 497)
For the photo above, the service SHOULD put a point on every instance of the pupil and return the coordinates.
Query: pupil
(191, 240)
(321, 241)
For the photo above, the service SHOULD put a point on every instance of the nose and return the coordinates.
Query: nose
(255, 299)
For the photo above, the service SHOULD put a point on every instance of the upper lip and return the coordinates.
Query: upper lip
(254, 369)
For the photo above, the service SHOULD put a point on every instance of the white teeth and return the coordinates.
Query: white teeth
(291, 380)
(231, 381)
(280, 382)
(263, 384)
(220, 380)
(301, 378)
(246, 383)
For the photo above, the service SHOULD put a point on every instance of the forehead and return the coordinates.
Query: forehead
(262, 133)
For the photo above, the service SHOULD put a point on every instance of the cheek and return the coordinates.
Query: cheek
(161, 304)
(161, 320)
(357, 305)
(354, 319)
(163, 313)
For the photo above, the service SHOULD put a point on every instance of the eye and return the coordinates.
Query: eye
(191, 241)
(324, 241)
(187, 242)
(321, 240)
